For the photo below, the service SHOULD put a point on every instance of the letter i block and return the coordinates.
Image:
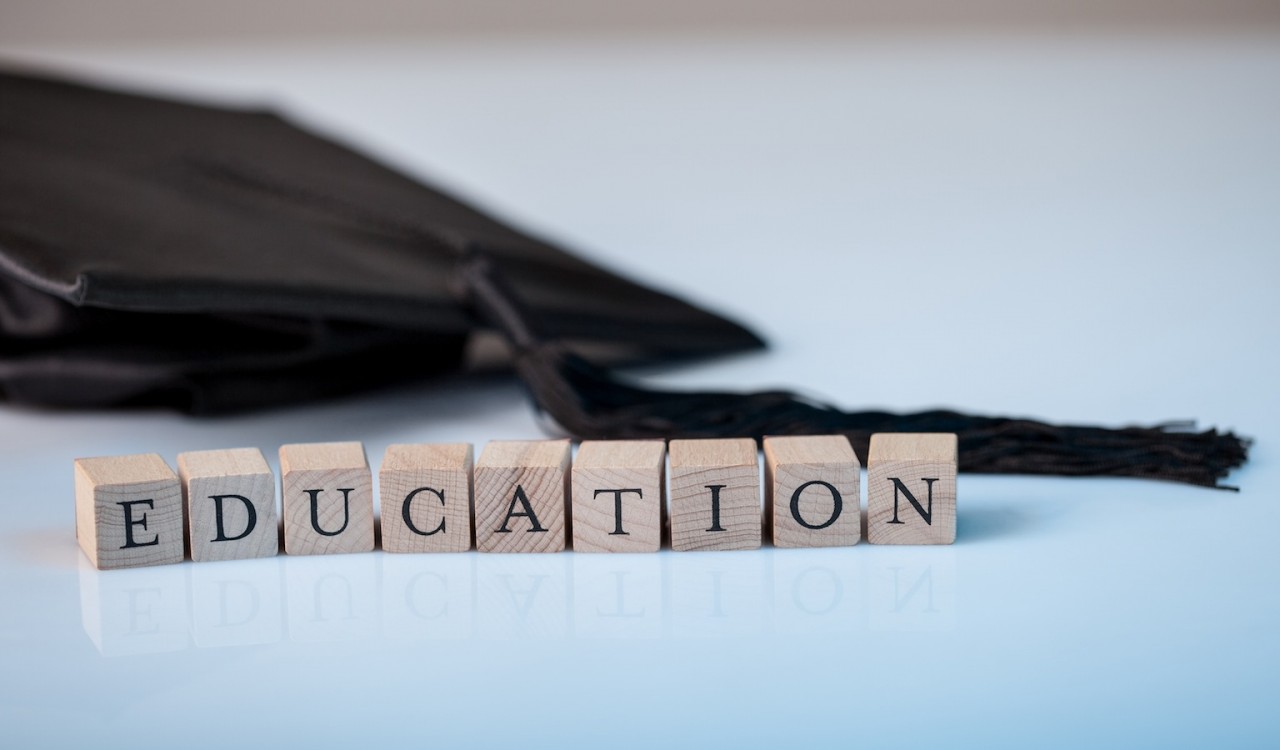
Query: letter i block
(618, 495)
(911, 488)
(521, 489)
(811, 491)
(128, 511)
(327, 497)
(426, 498)
(230, 498)
(715, 494)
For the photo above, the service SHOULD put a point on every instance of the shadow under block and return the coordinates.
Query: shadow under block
(327, 496)
(911, 488)
(128, 511)
(618, 494)
(812, 491)
(521, 488)
(230, 500)
(425, 493)
(715, 494)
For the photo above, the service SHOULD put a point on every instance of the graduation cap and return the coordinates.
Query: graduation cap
(211, 259)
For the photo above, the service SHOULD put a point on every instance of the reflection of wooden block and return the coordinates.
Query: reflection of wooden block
(521, 488)
(426, 498)
(911, 488)
(230, 498)
(128, 511)
(618, 495)
(811, 491)
(715, 494)
(327, 498)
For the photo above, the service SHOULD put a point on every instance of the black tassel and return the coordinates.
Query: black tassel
(589, 401)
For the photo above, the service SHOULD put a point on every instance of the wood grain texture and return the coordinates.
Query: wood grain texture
(698, 465)
(508, 474)
(324, 471)
(128, 511)
(242, 480)
(804, 476)
(911, 459)
(435, 482)
(601, 470)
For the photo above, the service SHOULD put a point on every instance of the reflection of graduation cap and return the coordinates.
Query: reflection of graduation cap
(156, 252)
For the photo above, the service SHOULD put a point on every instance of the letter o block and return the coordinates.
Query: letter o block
(521, 489)
(230, 498)
(327, 497)
(128, 511)
(812, 492)
(425, 492)
(911, 488)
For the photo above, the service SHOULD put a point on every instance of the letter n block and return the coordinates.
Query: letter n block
(618, 495)
(128, 511)
(327, 497)
(521, 490)
(426, 498)
(911, 488)
(230, 498)
(715, 494)
(812, 491)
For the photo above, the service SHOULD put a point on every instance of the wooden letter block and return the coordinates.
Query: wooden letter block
(426, 498)
(327, 495)
(230, 498)
(128, 511)
(521, 489)
(811, 491)
(715, 494)
(618, 494)
(911, 489)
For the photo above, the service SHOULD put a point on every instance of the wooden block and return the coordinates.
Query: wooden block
(327, 495)
(426, 498)
(521, 489)
(911, 488)
(618, 495)
(715, 494)
(812, 491)
(128, 511)
(230, 501)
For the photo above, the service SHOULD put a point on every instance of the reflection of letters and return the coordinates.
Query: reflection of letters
(620, 600)
(137, 612)
(922, 584)
(837, 592)
(529, 594)
(411, 601)
(318, 592)
(225, 620)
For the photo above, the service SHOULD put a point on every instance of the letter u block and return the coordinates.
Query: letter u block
(911, 488)
(811, 491)
(327, 497)
(426, 498)
(521, 491)
(128, 511)
(230, 498)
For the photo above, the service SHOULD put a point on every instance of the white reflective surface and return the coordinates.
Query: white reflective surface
(1081, 229)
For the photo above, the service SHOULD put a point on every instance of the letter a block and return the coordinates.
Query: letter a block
(426, 498)
(521, 488)
(230, 498)
(715, 494)
(618, 495)
(128, 511)
(811, 491)
(911, 489)
(327, 496)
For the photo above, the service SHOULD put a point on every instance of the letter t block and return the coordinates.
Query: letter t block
(911, 488)
(327, 497)
(128, 511)
(618, 494)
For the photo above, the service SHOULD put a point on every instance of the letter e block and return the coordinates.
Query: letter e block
(521, 490)
(618, 495)
(128, 511)
(715, 494)
(812, 491)
(911, 488)
(426, 498)
(230, 498)
(327, 497)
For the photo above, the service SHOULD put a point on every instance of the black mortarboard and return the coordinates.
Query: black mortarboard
(159, 252)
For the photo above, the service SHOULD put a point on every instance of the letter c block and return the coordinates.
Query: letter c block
(426, 498)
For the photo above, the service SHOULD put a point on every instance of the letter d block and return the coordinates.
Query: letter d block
(911, 488)
(230, 497)
(521, 489)
(327, 496)
(715, 494)
(128, 511)
(811, 491)
(426, 498)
